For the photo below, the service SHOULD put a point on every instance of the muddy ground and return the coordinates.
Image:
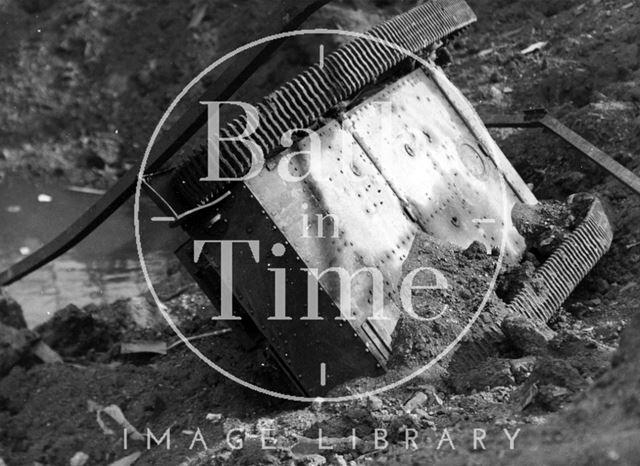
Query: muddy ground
(83, 84)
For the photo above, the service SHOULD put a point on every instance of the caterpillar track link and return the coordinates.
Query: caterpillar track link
(302, 101)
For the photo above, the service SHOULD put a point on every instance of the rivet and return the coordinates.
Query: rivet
(409, 150)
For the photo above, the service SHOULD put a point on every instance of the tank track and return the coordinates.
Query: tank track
(305, 99)
(550, 286)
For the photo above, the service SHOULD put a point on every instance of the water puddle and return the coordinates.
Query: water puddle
(101, 269)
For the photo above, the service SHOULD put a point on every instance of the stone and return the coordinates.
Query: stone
(214, 417)
(418, 400)
(312, 460)
(521, 368)
(491, 373)
(11, 312)
(497, 96)
(558, 372)
(15, 344)
(74, 332)
(79, 459)
(527, 336)
(552, 397)
(338, 460)
(375, 403)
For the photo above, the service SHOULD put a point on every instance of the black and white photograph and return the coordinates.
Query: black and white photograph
(319, 232)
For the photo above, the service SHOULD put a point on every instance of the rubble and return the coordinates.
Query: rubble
(79, 459)
(11, 312)
(521, 368)
(491, 373)
(416, 401)
(76, 332)
(547, 224)
(527, 336)
(14, 346)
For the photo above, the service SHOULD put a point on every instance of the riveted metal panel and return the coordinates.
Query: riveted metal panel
(365, 224)
(300, 346)
(387, 171)
(437, 165)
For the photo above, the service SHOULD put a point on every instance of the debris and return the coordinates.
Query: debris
(198, 16)
(613, 106)
(143, 314)
(579, 9)
(497, 96)
(491, 373)
(127, 460)
(236, 425)
(551, 382)
(79, 459)
(14, 345)
(86, 190)
(375, 403)
(524, 396)
(312, 446)
(521, 368)
(312, 460)
(25, 251)
(316, 405)
(533, 48)
(526, 336)
(627, 6)
(628, 286)
(214, 417)
(418, 400)
(14, 209)
(154, 347)
(44, 198)
(252, 451)
(198, 337)
(10, 312)
(547, 224)
(512, 281)
(552, 397)
(46, 354)
(337, 460)
(115, 413)
(75, 332)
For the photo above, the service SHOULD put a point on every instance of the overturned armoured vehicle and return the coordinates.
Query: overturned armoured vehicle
(302, 211)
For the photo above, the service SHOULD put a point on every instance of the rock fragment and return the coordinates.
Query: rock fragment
(375, 403)
(79, 459)
(416, 401)
(521, 368)
(526, 335)
(15, 344)
(493, 372)
(11, 312)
